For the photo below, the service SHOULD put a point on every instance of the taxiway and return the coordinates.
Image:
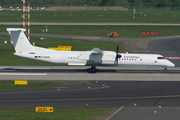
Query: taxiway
(113, 94)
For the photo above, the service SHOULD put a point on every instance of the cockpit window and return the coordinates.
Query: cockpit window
(160, 58)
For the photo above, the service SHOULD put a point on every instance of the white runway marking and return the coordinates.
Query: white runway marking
(23, 73)
(7, 70)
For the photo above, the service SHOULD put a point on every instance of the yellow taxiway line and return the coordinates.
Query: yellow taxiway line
(118, 98)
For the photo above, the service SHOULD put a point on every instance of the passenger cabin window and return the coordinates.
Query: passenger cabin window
(159, 58)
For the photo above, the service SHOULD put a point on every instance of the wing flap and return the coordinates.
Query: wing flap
(77, 64)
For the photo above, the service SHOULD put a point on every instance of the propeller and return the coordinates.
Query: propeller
(117, 55)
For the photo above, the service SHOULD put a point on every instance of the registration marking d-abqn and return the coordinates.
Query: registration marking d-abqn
(44, 109)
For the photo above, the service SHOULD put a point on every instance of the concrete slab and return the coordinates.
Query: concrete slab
(83, 73)
(147, 113)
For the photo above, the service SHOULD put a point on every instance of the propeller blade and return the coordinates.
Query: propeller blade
(117, 50)
(117, 55)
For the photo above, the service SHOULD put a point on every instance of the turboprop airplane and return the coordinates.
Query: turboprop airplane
(93, 58)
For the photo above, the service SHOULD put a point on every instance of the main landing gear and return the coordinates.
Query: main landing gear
(165, 70)
(93, 68)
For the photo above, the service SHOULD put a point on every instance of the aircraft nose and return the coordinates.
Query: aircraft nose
(170, 64)
(173, 65)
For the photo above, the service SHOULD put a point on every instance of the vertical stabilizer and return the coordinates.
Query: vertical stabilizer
(20, 41)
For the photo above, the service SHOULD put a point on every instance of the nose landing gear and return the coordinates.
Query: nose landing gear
(165, 70)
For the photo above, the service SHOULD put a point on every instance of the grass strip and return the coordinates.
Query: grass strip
(85, 30)
(154, 16)
(9, 84)
(59, 114)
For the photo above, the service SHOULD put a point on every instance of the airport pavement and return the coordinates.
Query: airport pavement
(113, 94)
(82, 73)
(147, 113)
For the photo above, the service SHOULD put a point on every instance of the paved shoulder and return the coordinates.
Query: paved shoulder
(147, 113)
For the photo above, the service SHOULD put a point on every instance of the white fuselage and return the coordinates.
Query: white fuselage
(105, 59)
(95, 57)
(144, 60)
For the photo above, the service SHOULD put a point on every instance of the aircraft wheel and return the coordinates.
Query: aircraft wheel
(165, 70)
(93, 69)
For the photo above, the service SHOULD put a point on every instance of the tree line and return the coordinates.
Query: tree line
(140, 3)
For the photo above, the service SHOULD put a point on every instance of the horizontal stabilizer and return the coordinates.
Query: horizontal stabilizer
(16, 29)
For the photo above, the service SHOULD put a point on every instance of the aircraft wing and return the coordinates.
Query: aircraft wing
(96, 51)
(86, 55)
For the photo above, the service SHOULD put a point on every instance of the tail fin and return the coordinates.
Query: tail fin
(20, 41)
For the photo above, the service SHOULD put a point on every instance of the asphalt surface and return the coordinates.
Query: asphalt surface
(83, 73)
(147, 113)
(86, 69)
(113, 94)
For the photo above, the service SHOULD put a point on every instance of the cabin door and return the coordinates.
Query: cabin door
(62, 59)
